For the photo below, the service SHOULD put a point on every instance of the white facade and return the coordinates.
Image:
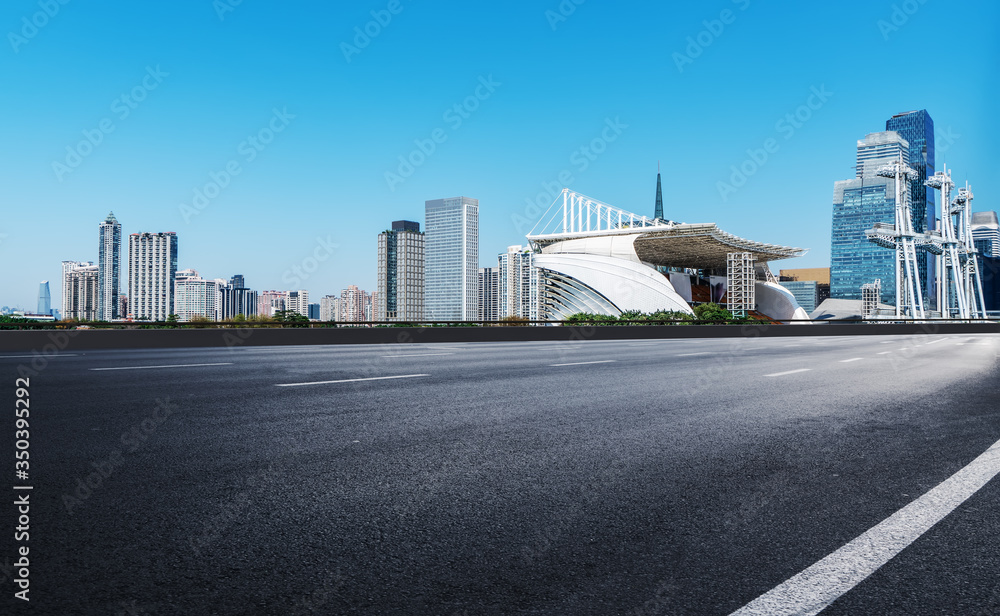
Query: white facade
(452, 259)
(66, 301)
(195, 297)
(518, 284)
(298, 301)
(352, 304)
(329, 308)
(80, 291)
(152, 273)
(879, 149)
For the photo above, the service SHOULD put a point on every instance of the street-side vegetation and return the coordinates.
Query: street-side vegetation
(703, 314)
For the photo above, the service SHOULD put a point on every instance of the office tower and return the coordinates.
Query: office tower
(452, 259)
(152, 271)
(314, 312)
(917, 128)
(329, 308)
(81, 288)
(857, 205)
(195, 297)
(819, 275)
(986, 233)
(658, 209)
(400, 273)
(44, 298)
(109, 262)
(123, 304)
(298, 301)
(519, 282)
(237, 282)
(489, 294)
(371, 305)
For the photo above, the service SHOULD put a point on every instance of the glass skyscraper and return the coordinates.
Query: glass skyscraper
(400, 273)
(109, 269)
(917, 128)
(858, 205)
(44, 298)
(451, 291)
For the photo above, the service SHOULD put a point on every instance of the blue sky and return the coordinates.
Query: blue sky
(201, 78)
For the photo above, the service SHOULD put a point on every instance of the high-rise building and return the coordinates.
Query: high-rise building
(353, 304)
(400, 273)
(986, 233)
(314, 312)
(44, 298)
(329, 308)
(236, 300)
(152, 271)
(806, 292)
(519, 283)
(489, 294)
(67, 294)
(857, 205)
(109, 264)
(270, 302)
(452, 259)
(658, 208)
(237, 282)
(195, 297)
(298, 301)
(917, 128)
(80, 302)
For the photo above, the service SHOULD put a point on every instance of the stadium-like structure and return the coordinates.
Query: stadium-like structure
(600, 259)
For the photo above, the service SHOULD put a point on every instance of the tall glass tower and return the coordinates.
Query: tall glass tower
(109, 269)
(917, 128)
(44, 298)
(400, 295)
(857, 205)
(451, 291)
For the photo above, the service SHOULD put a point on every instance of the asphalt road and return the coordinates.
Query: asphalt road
(635, 478)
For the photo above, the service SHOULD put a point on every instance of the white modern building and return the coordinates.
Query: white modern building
(329, 308)
(152, 271)
(986, 233)
(195, 297)
(298, 301)
(452, 259)
(518, 284)
(597, 258)
(354, 304)
(80, 291)
(400, 273)
(109, 272)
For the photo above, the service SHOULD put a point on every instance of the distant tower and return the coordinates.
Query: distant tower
(109, 269)
(44, 299)
(658, 214)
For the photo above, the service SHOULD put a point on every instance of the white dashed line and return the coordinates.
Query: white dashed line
(847, 361)
(376, 378)
(171, 366)
(885, 352)
(811, 591)
(584, 363)
(419, 355)
(693, 354)
(789, 372)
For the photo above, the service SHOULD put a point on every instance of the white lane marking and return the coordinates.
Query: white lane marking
(419, 355)
(789, 372)
(885, 352)
(375, 378)
(936, 341)
(584, 363)
(693, 354)
(171, 366)
(847, 361)
(887, 341)
(30, 356)
(811, 591)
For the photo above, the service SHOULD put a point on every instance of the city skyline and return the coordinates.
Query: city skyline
(242, 150)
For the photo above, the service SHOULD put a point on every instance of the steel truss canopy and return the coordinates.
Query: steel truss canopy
(659, 242)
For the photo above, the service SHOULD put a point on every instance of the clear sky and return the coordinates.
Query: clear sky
(132, 106)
